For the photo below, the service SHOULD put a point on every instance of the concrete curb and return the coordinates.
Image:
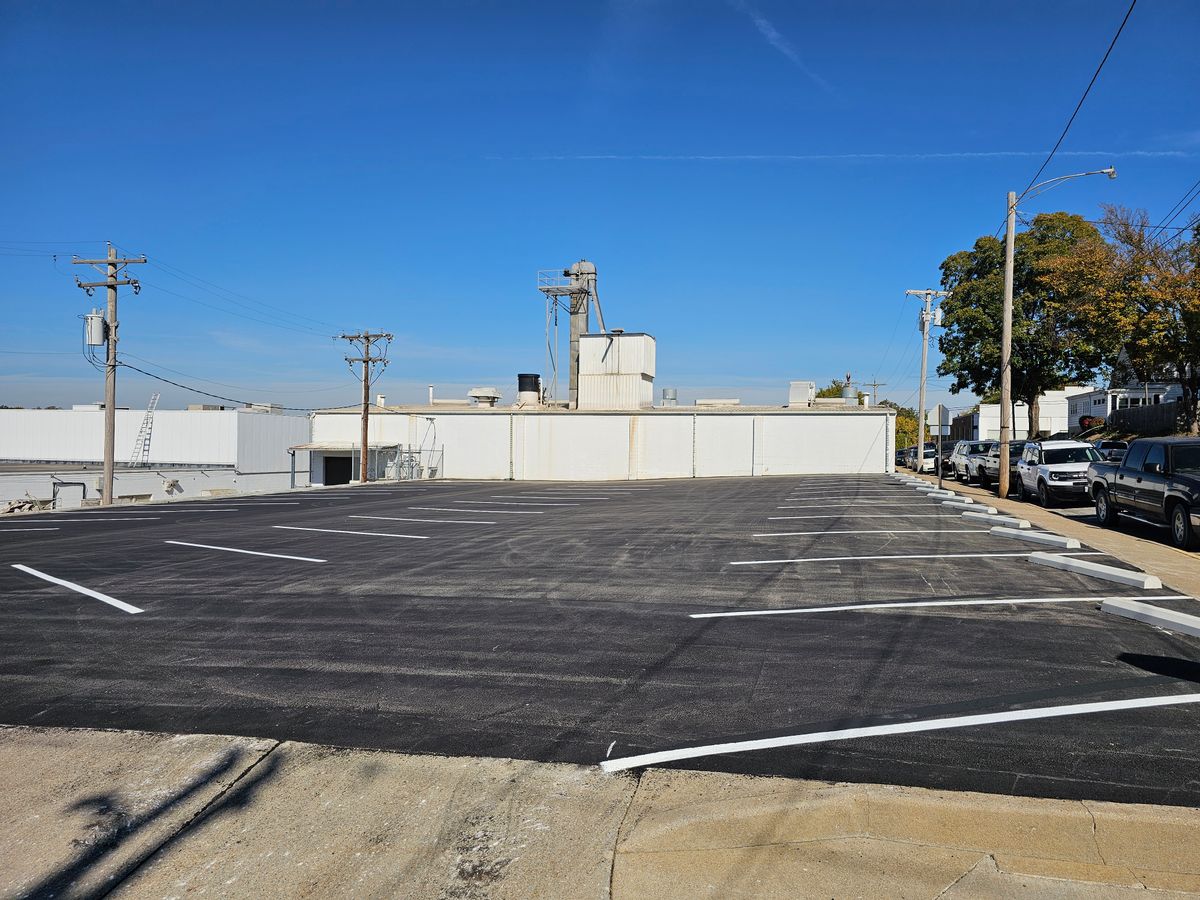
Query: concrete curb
(1040, 537)
(1178, 622)
(992, 519)
(1097, 570)
(966, 503)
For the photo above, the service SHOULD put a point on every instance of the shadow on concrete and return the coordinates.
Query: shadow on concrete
(114, 826)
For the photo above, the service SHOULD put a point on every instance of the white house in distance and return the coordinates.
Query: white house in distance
(984, 424)
(1102, 402)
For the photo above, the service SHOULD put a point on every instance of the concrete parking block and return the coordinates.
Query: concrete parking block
(992, 519)
(971, 505)
(1039, 537)
(1178, 622)
(1097, 570)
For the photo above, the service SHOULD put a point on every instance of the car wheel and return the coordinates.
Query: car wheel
(984, 482)
(1022, 494)
(1183, 536)
(1044, 497)
(1105, 512)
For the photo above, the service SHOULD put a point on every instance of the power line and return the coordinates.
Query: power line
(236, 387)
(196, 390)
(1079, 105)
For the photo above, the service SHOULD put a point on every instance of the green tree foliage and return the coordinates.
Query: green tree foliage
(906, 423)
(834, 389)
(1047, 354)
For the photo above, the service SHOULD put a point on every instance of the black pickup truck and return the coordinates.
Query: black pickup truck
(1158, 480)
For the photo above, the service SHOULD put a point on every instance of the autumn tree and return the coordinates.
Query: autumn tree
(1047, 354)
(1136, 297)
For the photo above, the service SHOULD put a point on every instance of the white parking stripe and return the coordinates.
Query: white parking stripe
(78, 588)
(415, 537)
(771, 562)
(873, 504)
(844, 734)
(906, 604)
(544, 497)
(28, 529)
(512, 503)
(875, 516)
(437, 521)
(879, 531)
(490, 512)
(247, 552)
(110, 519)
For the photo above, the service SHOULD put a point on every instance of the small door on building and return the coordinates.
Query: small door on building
(337, 470)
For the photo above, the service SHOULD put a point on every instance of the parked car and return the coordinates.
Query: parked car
(1157, 481)
(928, 461)
(1055, 470)
(965, 458)
(902, 456)
(989, 464)
(1111, 450)
(945, 449)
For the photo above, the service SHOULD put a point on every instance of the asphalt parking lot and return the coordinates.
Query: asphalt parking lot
(575, 622)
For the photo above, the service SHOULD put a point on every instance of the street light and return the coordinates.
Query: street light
(1006, 332)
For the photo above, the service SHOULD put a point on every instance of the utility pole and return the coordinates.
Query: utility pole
(874, 386)
(363, 341)
(1006, 409)
(926, 321)
(112, 267)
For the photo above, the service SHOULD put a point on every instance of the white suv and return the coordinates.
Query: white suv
(1055, 470)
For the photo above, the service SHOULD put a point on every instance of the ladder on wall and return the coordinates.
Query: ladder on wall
(141, 447)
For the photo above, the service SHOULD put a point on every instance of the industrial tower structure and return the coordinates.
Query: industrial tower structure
(574, 287)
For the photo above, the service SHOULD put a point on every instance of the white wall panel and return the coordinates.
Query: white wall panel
(664, 446)
(573, 447)
(724, 445)
(833, 443)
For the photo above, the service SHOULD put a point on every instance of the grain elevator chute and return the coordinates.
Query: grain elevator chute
(574, 290)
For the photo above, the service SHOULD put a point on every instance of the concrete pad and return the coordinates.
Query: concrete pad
(1097, 570)
(1180, 623)
(848, 867)
(1038, 537)
(987, 881)
(992, 519)
(332, 822)
(80, 809)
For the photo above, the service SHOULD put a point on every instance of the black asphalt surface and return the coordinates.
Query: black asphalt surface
(562, 632)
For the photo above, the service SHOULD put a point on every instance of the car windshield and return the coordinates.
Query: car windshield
(1016, 449)
(1187, 459)
(978, 448)
(1070, 455)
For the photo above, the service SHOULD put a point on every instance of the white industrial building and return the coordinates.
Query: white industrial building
(189, 452)
(553, 444)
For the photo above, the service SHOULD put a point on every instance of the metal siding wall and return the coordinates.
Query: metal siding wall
(834, 443)
(724, 445)
(179, 436)
(575, 447)
(664, 446)
(263, 440)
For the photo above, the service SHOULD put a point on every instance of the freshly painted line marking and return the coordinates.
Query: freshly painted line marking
(544, 497)
(415, 537)
(769, 562)
(437, 521)
(454, 509)
(878, 531)
(28, 529)
(873, 516)
(214, 509)
(270, 503)
(818, 737)
(88, 592)
(248, 552)
(907, 604)
(112, 519)
(872, 504)
(512, 503)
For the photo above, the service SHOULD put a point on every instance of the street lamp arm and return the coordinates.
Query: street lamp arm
(1043, 186)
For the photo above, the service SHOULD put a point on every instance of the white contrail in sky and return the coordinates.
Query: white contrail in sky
(780, 43)
(824, 157)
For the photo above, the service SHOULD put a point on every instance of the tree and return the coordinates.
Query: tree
(906, 423)
(1136, 296)
(1046, 353)
(834, 389)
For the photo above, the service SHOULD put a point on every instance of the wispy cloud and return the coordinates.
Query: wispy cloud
(772, 36)
(834, 157)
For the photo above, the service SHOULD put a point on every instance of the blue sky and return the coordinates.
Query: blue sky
(758, 183)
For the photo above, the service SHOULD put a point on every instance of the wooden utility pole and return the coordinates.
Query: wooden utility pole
(113, 266)
(363, 340)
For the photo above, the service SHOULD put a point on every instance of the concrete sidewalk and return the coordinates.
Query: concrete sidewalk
(93, 813)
